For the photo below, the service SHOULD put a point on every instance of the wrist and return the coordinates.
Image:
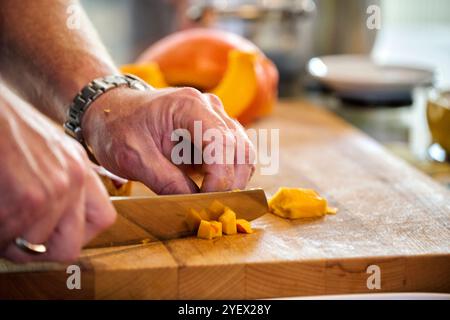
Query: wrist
(102, 110)
(111, 108)
(93, 91)
(71, 86)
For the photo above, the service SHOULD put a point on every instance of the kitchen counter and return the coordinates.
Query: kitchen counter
(392, 218)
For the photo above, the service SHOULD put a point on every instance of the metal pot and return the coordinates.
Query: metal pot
(282, 29)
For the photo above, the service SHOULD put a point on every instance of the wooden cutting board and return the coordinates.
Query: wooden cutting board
(390, 215)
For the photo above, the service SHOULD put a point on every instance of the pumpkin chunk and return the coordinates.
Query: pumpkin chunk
(205, 230)
(204, 221)
(295, 203)
(243, 226)
(209, 229)
(217, 228)
(216, 209)
(228, 220)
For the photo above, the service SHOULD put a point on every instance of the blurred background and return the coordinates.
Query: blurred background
(320, 48)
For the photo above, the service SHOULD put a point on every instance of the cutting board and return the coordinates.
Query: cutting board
(390, 216)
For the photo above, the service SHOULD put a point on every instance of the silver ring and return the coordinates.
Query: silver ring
(31, 248)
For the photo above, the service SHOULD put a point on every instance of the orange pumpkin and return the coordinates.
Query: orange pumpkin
(201, 58)
(266, 94)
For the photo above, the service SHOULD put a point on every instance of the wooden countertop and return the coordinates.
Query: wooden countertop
(390, 215)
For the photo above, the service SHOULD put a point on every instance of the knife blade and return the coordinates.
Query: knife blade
(156, 218)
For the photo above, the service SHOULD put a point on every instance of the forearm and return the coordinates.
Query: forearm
(43, 59)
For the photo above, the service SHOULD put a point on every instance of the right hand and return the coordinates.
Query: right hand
(48, 192)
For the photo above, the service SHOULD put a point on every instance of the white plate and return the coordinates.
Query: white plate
(359, 76)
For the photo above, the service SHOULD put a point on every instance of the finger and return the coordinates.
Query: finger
(38, 202)
(61, 227)
(44, 206)
(163, 177)
(45, 212)
(166, 178)
(144, 162)
(64, 244)
(99, 211)
(216, 141)
(244, 153)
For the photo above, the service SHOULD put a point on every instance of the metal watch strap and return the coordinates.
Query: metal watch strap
(92, 92)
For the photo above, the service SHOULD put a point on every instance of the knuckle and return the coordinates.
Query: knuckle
(33, 199)
(76, 174)
(127, 157)
(239, 126)
(60, 184)
(192, 99)
(106, 219)
(189, 92)
(75, 150)
(215, 100)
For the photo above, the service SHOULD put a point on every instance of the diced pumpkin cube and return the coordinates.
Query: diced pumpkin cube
(217, 228)
(205, 215)
(216, 209)
(228, 220)
(205, 230)
(193, 219)
(209, 229)
(243, 226)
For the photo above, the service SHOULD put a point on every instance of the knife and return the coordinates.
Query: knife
(156, 218)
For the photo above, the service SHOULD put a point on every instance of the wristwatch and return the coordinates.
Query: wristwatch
(89, 94)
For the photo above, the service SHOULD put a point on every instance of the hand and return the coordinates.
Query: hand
(48, 192)
(130, 134)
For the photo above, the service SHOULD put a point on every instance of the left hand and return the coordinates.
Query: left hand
(130, 134)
